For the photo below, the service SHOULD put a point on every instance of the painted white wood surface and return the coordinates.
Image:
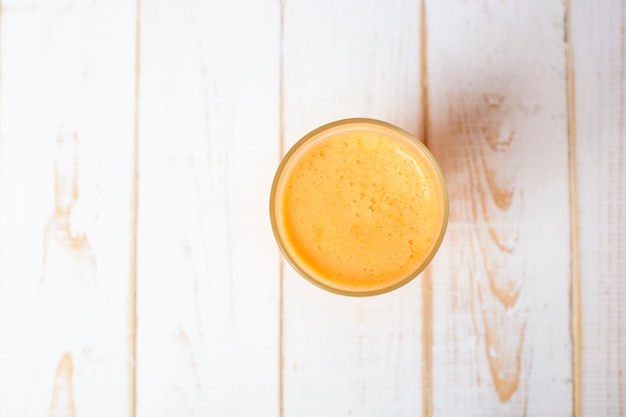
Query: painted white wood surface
(520, 314)
(498, 125)
(208, 312)
(348, 356)
(66, 126)
(598, 36)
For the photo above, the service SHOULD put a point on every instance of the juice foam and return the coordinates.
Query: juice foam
(359, 210)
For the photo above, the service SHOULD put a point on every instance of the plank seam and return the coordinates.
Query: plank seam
(423, 75)
(135, 214)
(427, 294)
(281, 261)
(575, 302)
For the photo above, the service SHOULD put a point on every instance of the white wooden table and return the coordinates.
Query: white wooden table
(138, 272)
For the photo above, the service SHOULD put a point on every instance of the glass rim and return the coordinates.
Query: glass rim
(442, 224)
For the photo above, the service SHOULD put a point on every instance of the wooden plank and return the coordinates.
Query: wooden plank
(66, 165)
(207, 262)
(498, 125)
(350, 356)
(598, 42)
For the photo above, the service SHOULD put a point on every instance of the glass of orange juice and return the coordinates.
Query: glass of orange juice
(359, 207)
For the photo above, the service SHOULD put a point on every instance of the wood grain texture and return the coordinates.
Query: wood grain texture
(344, 356)
(598, 42)
(138, 142)
(65, 221)
(208, 315)
(498, 125)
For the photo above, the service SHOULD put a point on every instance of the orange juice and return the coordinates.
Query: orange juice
(359, 207)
